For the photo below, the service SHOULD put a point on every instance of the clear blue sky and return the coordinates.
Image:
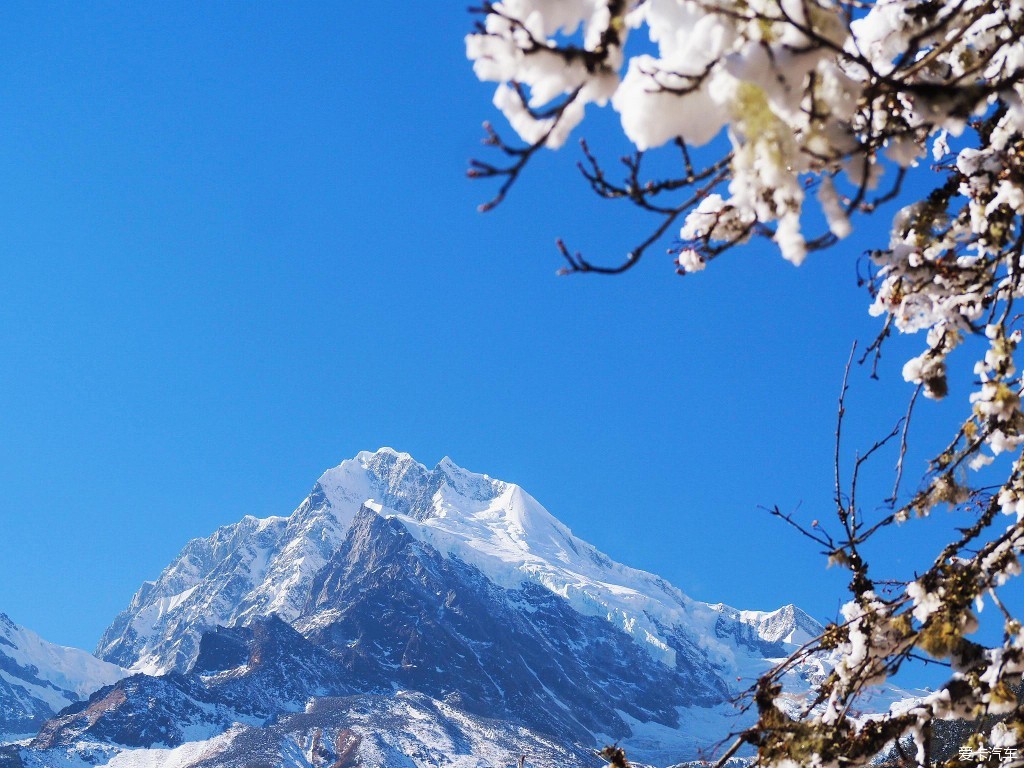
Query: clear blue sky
(238, 246)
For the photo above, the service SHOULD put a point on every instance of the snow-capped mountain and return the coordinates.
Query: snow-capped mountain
(38, 679)
(260, 567)
(457, 589)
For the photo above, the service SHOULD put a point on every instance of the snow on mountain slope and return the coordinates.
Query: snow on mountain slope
(502, 530)
(406, 730)
(39, 678)
(263, 567)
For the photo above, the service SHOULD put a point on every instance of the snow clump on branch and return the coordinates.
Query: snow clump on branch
(843, 98)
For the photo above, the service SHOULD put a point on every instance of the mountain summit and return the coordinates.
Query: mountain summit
(261, 567)
(395, 588)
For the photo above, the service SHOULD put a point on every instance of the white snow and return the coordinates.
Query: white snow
(69, 669)
(423, 733)
(492, 525)
(124, 757)
(53, 675)
(512, 539)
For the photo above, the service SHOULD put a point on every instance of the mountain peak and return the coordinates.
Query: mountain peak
(471, 485)
(787, 624)
(250, 570)
(385, 454)
(446, 465)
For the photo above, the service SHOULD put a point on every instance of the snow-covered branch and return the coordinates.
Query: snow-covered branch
(788, 120)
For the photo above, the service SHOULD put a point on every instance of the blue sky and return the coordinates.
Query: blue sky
(237, 245)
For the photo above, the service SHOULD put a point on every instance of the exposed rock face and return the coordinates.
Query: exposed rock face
(243, 675)
(397, 612)
(398, 730)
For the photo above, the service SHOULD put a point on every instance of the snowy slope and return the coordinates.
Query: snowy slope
(402, 731)
(506, 533)
(263, 567)
(38, 678)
